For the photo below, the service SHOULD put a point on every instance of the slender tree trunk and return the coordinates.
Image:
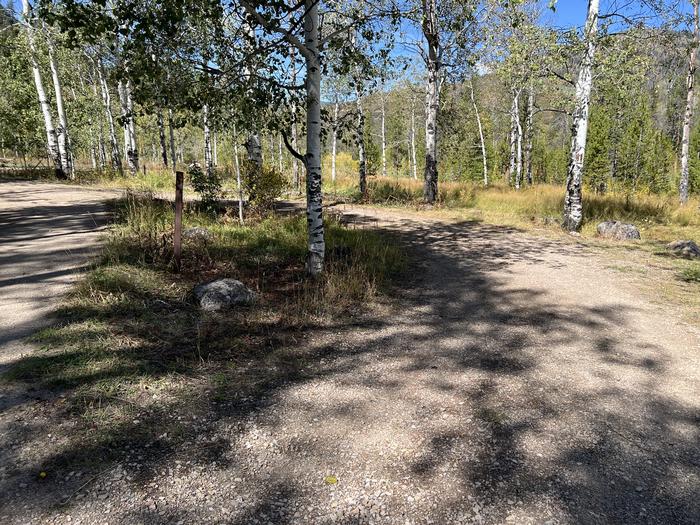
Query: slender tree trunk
(529, 133)
(107, 102)
(62, 132)
(254, 149)
(519, 151)
(296, 180)
(414, 163)
(683, 188)
(573, 205)
(161, 137)
(360, 141)
(132, 154)
(383, 123)
(279, 152)
(432, 99)
(215, 148)
(171, 132)
(133, 147)
(334, 141)
(514, 123)
(51, 137)
(208, 156)
(481, 133)
(239, 185)
(314, 200)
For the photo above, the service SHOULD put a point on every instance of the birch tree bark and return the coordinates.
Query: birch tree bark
(62, 132)
(382, 97)
(107, 103)
(334, 139)
(171, 132)
(360, 141)
(215, 148)
(128, 120)
(161, 137)
(529, 132)
(279, 153)
(208, 155)
(573, 205)
(296, 181)
(683, 187)
(314, 200)
(51, 137)
(414, 163)
(482, 143)
(432, 99)
(239, 185)
(513, 160)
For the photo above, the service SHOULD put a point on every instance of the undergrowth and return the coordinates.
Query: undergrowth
(131, 323)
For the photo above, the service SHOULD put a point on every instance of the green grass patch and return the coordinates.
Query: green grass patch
(690, 273)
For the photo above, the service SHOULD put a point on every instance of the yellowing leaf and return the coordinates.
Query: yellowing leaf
(330, 480)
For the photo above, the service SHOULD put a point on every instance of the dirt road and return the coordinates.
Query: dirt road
(47, 234)
(514, 379)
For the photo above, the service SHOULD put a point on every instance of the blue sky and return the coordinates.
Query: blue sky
(569, 13)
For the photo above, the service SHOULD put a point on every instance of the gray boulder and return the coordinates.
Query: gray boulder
(618, 230)
(197, 234)
(687, 249)
(223, 293)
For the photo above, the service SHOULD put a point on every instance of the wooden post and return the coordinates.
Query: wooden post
(177, 234)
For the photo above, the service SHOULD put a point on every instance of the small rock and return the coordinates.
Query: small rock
(197, 234)
(687, 249)
(618, 230)
(223, 293)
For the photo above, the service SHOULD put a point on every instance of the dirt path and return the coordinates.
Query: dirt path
(516, 380)
(48, 232)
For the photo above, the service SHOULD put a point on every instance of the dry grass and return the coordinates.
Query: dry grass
(659, 217)
(130, 335)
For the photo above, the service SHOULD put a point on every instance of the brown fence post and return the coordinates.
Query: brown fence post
(177, 234)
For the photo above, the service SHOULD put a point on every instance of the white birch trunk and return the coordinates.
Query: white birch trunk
(121, 91)
(314, 198)
(296, 180)
(481, 134)
(432, 99)
(514, 118)
(239, 185)
(360, 141)
(161, 138)
(171, 132)
(254, 149)
(414, 162)
(62, 131)
(683, 188)
(51, 137)
(279, 153)
(383, 110)
(107, 102)
(334, 141)
(519, 154)
(573, 206)
(208, 155)
(529, 133)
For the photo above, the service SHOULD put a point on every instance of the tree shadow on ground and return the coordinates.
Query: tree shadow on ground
(479, 399)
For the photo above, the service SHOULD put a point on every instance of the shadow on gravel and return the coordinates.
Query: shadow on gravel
(552, 408)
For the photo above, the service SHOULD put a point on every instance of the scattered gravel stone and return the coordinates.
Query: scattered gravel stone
(618, 230)
(687, 249)
(223, 293)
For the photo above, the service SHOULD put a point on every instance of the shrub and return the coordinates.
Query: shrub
(262, 184)
(207, 185)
